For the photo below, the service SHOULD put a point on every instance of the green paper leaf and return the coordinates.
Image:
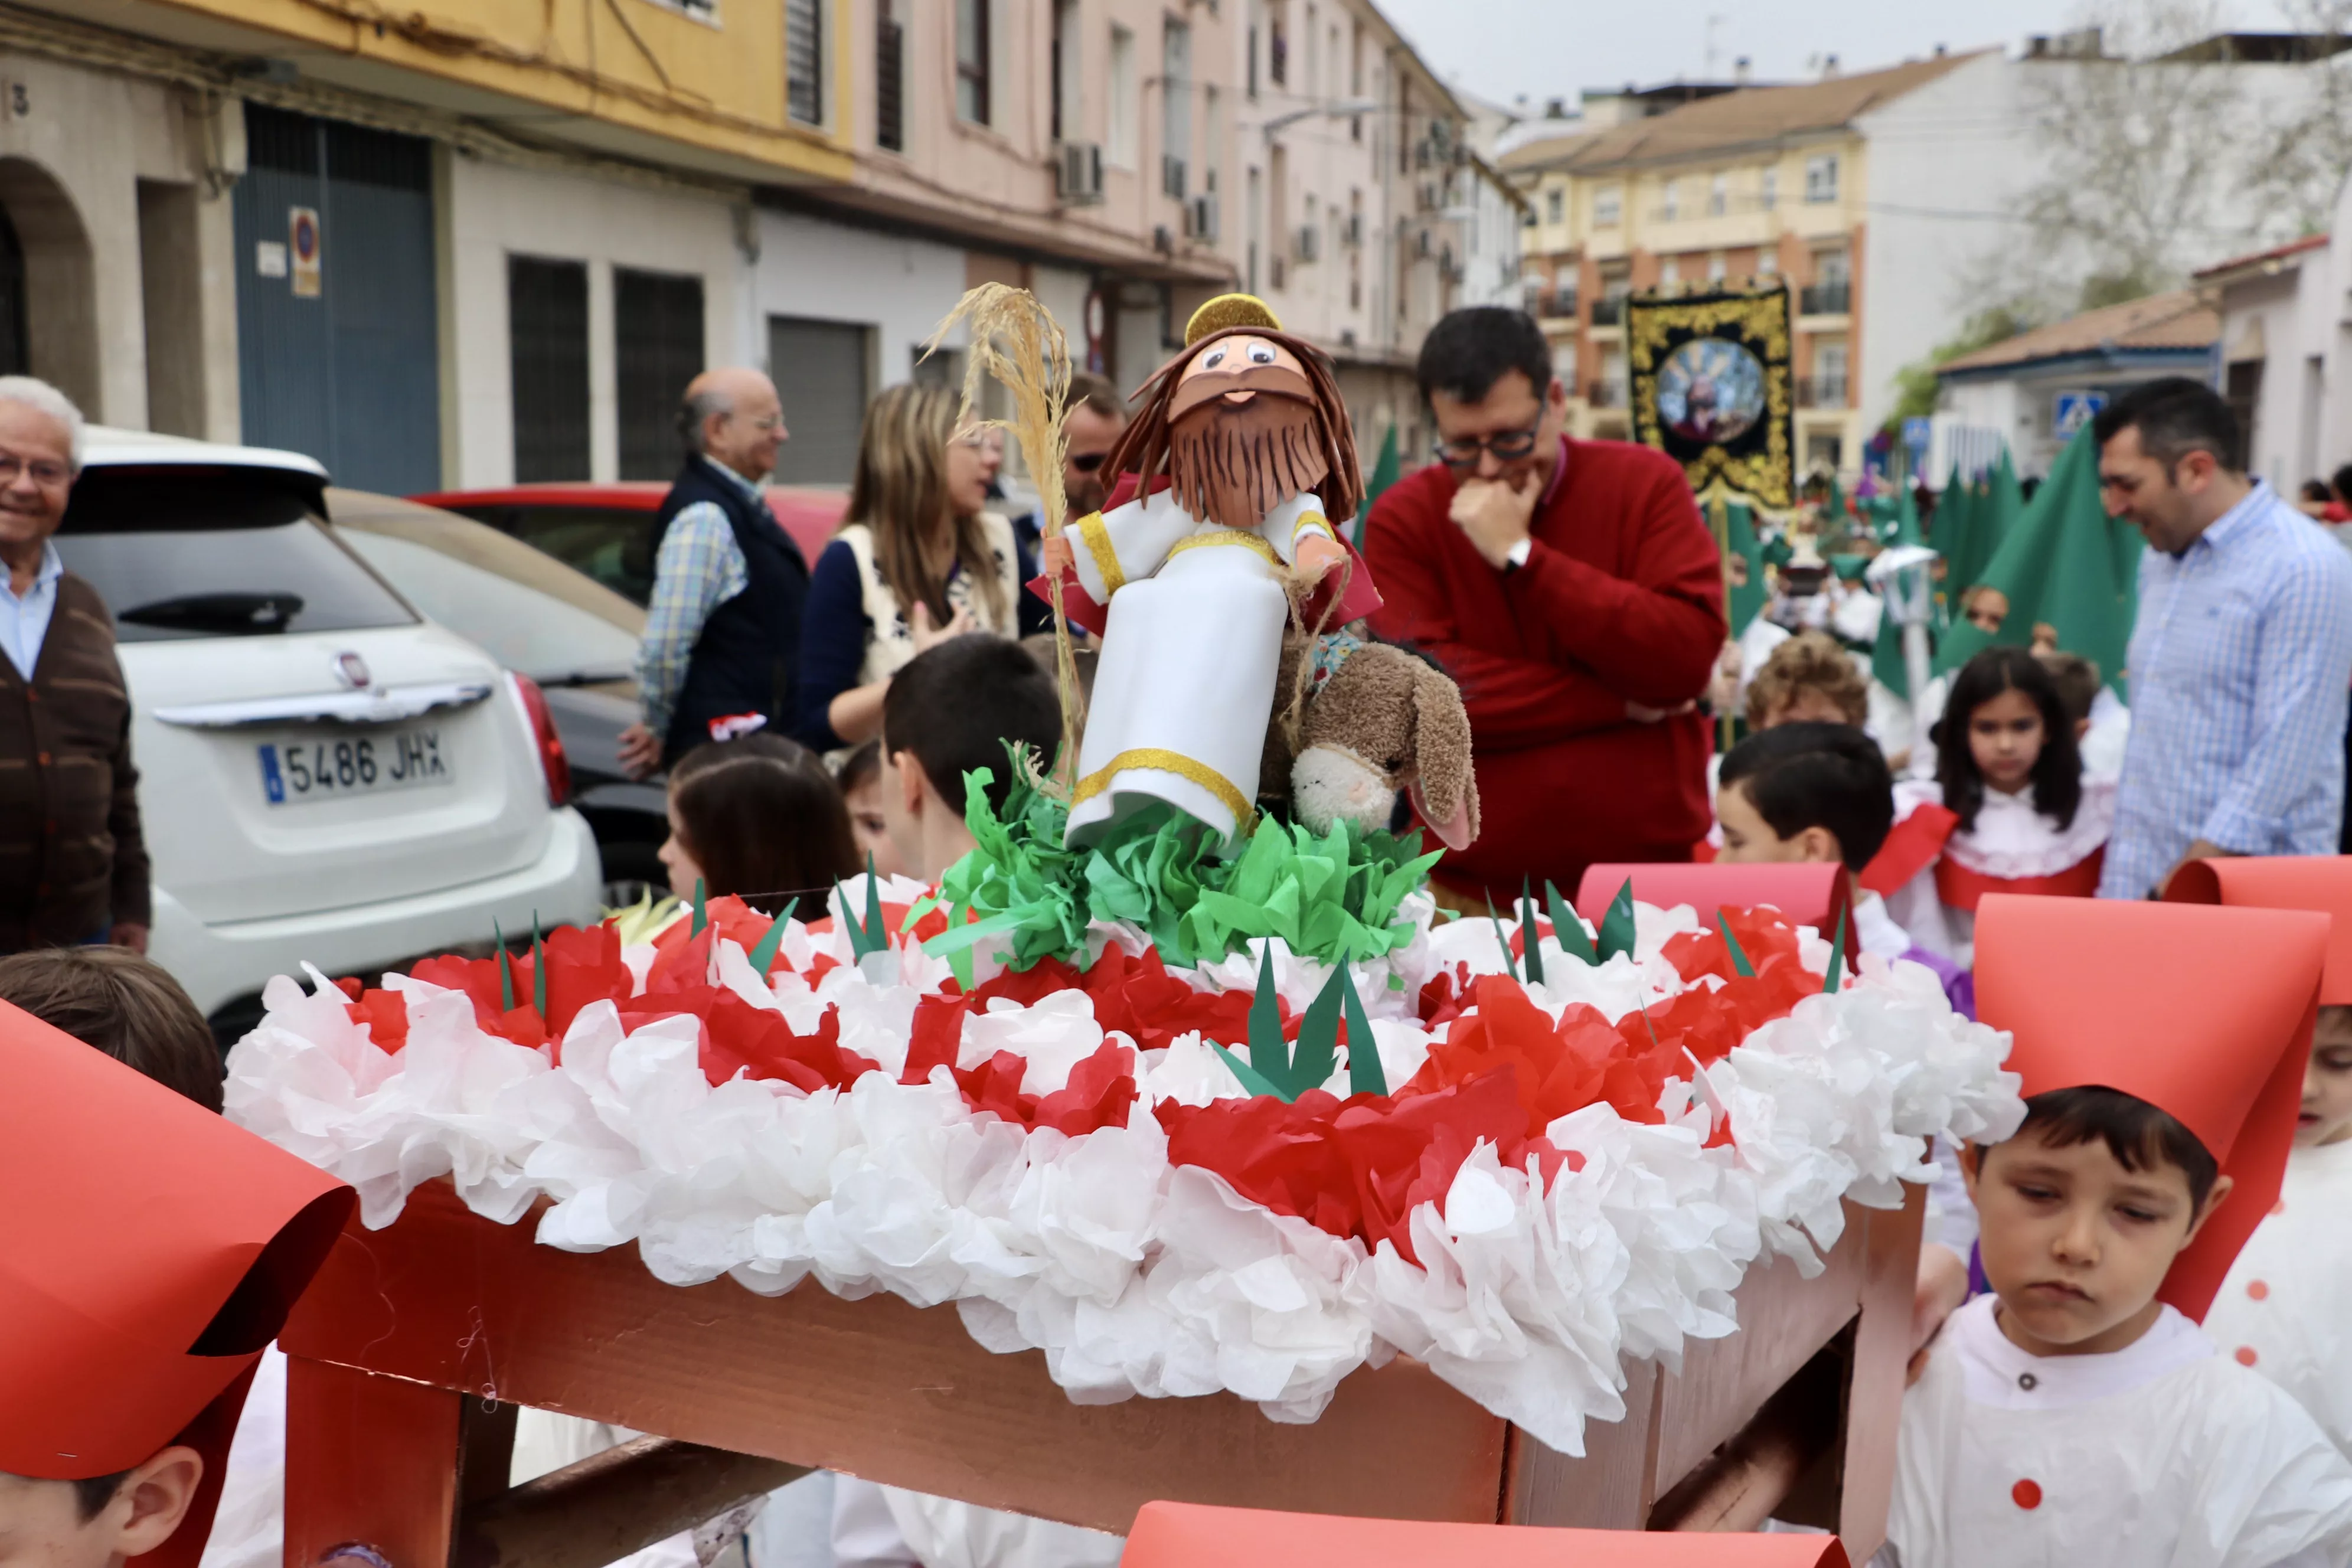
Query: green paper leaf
(1252, 1081)
(764, 953)
(1566, 927)
(1269, 1052)
(1837, 957)
(1365, 1073)
(1317, 1052)
(1739, 964)
(1533, 937)
(1617, 925)
(537, 968)
(877, 930)
(1510, 964)
(700, 916)
(506, 970)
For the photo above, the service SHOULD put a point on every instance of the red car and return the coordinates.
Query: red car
(606, 530)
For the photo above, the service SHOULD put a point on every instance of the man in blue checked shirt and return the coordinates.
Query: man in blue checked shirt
(2240, 655)
(723, 632)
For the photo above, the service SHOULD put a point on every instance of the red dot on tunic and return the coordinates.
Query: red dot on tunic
(2026, 1494)
(2246, 1355)
(2258, 1289)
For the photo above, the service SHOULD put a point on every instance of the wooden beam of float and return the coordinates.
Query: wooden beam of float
(409, 1328)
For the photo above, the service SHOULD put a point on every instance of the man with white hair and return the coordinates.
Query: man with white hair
(723, 632)
(73, 862)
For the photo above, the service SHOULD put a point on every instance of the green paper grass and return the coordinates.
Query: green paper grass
(1837, 957)
(701, 915)
(1333, 897)
(764, 953)
(506, 970)
(1365, 1073)
(537, 968)
(1526, 913)
(1573, 938)
(1739, 964)
(1617, 925)
(870, 932)
(1509, 963)
(1287, 1069)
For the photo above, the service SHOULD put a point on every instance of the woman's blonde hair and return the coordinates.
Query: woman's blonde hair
(901, 494)
(1808, 659)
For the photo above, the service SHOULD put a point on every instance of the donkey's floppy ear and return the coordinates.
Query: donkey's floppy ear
(1444, 790)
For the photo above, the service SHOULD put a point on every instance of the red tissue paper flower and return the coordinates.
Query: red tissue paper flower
(1359, 1167)
(1099, 1091)
(1557, 1068)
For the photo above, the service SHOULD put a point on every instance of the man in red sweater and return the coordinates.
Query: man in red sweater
(1572, 592)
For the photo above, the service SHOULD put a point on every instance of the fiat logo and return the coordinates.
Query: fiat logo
(351, 671)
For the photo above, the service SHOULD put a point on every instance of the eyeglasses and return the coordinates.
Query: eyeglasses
(49, 476)
(1510, 446)
(1088, 462)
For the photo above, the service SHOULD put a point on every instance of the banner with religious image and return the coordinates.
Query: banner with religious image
(1711, 387)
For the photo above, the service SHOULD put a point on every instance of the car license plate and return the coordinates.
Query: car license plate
(330, 768)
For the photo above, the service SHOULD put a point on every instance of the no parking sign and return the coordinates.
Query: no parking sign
(302, 239)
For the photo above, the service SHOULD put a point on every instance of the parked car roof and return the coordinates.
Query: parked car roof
(809, 514)
(108, 444)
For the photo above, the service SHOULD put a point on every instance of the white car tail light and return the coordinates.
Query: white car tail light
(554, 765)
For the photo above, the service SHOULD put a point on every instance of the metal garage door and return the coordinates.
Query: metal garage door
(821, 371)
(657, 349)
(337, 335)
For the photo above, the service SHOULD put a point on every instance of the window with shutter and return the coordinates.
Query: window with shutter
(657, 349)
(547, 345)
(804, 60)
(889, 78)
(823, 373)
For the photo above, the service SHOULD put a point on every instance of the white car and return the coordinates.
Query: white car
(325, 775)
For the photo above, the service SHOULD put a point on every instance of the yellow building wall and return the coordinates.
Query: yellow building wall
(715, 86)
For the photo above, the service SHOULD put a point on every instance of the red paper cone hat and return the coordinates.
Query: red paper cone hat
(2204, 1013)
(2321, 882)
(149, 1250)
(1810, 893)
(1188, 1535)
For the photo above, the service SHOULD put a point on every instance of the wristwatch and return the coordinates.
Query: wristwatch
(1519, 556)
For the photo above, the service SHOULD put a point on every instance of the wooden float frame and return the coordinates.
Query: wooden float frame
(412, 1352)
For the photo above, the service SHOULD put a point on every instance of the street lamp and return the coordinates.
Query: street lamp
(1346, 109)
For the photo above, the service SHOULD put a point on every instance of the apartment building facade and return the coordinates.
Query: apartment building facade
(1757, 184)
(471, 244)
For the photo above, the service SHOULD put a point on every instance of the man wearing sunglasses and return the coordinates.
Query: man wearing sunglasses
(1574, 594)
(1095, 418)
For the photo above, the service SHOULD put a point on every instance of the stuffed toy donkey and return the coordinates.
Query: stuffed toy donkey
(1382, 722)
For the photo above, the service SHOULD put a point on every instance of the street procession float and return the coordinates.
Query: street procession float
(1173, 1146)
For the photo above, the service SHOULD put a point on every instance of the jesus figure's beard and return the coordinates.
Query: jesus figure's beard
(1232, 465)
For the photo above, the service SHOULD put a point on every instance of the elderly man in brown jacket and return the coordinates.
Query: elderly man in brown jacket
(73, 864)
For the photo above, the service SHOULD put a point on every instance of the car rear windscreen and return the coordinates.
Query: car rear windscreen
(210, 552)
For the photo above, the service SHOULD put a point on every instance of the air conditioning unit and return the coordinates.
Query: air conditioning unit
(1171, 175)
(1077, 176)
(1351, 230)
(1200, 219)
(1309, 243)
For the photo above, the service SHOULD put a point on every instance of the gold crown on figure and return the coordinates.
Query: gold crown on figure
(1229, 310)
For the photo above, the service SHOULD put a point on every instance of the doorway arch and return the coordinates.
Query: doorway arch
(49, 292)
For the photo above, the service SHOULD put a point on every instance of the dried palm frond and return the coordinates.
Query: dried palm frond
(1015, 340)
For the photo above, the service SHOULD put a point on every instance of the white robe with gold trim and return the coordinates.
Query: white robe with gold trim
(1192, 647)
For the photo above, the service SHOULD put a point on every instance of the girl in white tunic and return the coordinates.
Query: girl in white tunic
(2077, 1415)
(2009, 811)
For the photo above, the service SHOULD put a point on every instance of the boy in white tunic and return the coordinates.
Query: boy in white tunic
(2286, 1307)
(2077, 1415)
(1249, 429)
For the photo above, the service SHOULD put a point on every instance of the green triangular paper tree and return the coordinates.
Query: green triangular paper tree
(1746, 599)
(2065, 562)
(1387, 468)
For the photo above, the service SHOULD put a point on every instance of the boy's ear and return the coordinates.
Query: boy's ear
(913, 780)
(153, 1499)
(1820, 845)
(2082, 728)
(1971, 1168)
(2223, 1185)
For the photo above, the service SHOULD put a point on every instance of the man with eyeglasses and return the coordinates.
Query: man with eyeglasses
(73, 859)
(722, 633)
(1572, 592)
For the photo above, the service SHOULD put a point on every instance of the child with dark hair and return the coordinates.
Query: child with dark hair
(124, 1004)
(2009, 810)
(2076, 1412)
(861, 790)
(950, 711)
(749, 818)
(1818, 792)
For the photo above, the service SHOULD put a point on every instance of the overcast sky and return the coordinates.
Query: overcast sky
(1550, 48)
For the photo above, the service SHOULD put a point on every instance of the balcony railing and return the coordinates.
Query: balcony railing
(1556, 302)
(1603, 392)
(1821, 392)
(1608, 310)
(1826, 299)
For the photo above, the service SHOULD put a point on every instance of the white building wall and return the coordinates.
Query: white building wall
(897, 287)
(2272, 314)
(497, 210)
